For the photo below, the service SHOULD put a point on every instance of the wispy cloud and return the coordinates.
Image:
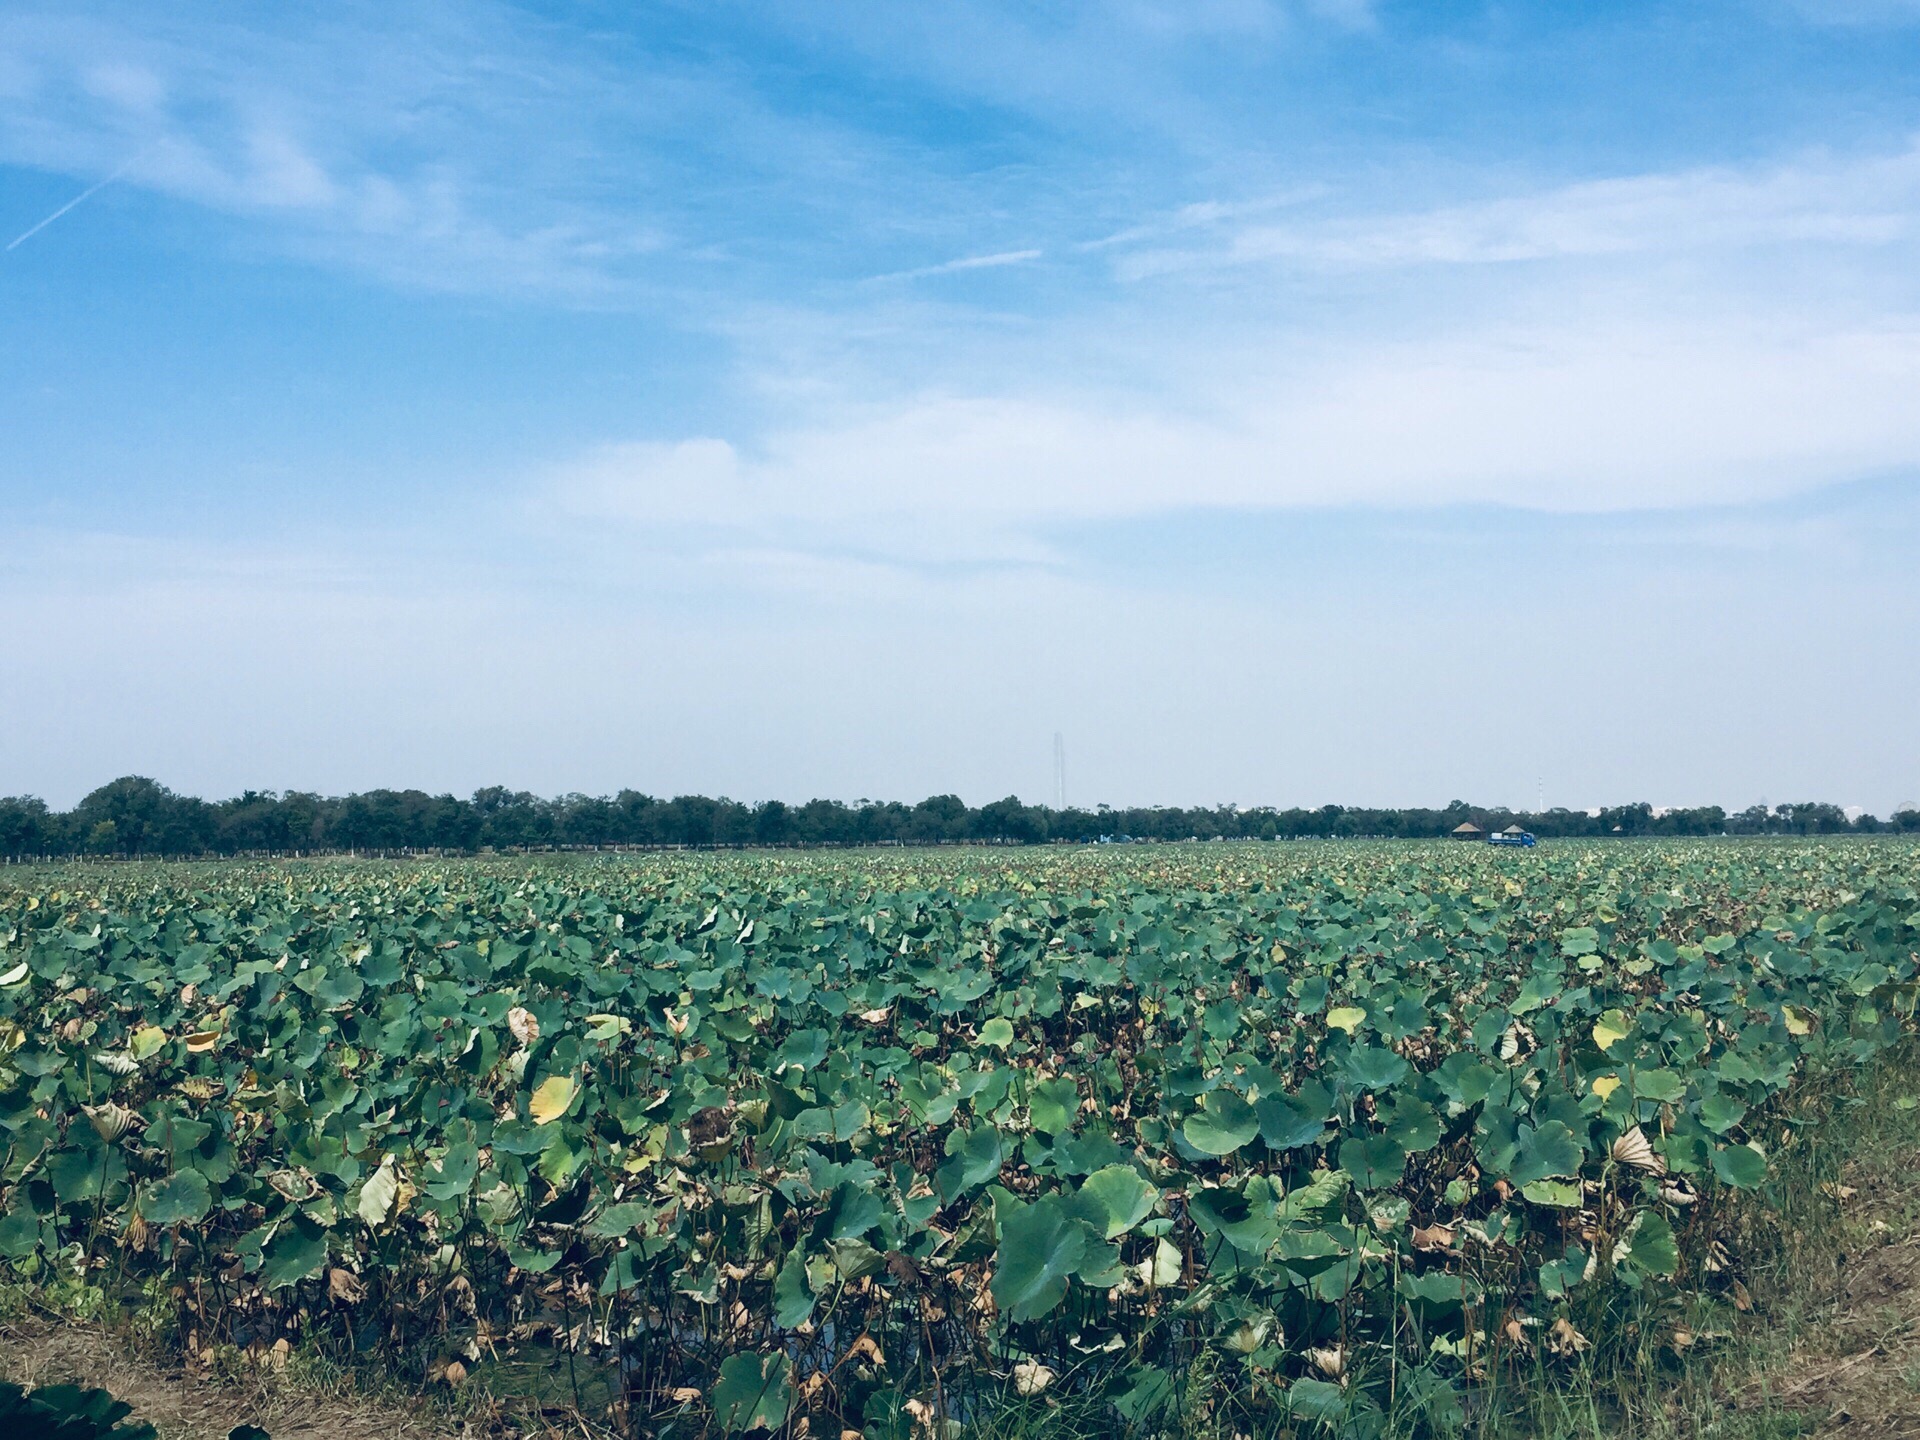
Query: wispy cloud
(1829, 200)
(969, 262)
(481, 151)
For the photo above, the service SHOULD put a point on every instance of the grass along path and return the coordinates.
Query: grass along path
(1838, 1350)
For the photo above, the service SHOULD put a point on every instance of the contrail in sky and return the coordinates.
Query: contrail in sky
(85, 194)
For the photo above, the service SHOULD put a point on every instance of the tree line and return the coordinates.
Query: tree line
(135, 816)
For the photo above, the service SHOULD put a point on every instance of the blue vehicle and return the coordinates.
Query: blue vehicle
(1513, 836)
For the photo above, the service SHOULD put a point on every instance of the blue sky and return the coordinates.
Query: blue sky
(1289, 402)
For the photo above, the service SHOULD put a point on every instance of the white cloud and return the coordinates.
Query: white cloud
(1610, 415)
(280, 172)
(131, 87)
(1825, 200)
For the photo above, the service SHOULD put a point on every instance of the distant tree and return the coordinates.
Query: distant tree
(25, 826)
(137, 815)
(772, 824)
(147, 818)
(938, 817)
(1009, 821)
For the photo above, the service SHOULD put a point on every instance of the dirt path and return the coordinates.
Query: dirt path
(185, 1406)
(1869, 1378)
(1857, 1371)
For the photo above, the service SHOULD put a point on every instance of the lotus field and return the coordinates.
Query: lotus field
(888, 1142)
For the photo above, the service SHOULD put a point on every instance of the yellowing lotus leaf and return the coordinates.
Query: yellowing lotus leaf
(1165, 1268)
(1346, 1017)
(551, 1097)
(377, 1195)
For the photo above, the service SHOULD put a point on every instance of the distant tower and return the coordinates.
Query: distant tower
(1059, 771)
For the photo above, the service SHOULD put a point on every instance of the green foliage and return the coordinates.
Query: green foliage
(851, 1135)
(753, 1392)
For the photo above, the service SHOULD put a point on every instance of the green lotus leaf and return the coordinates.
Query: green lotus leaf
(1041, 1245)
(1439, 1289)
(851, 1211)
(1720, 1112)
(1054, 1105)
(1412, 1123)
(183, 1198)
(1557, 1194)
(1319, 1199)
(1325, 1402)
(854, 1258)
(1290, 1121)
(1310, 993)
(1662, 1085)
(80, 1172)
(1650, 1246)
(1374, 1161)
(618, 1220)
(453, 1174)
(1222, 1125)
(296, 1252)
(1115, 1199)
(792, 1295)
(1245, 1218)
(1547, 1151)
(974, 1158)
(1740, 1166)
(1579, 940)
(533, 1261)
(1151, 1394)
(753, 1392)
(1373, 1067)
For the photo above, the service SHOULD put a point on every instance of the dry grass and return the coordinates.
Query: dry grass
(185, 1404)
(1856, 1366)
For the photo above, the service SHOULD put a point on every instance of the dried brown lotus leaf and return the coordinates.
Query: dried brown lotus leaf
(1636, 1152)
(110, 1121)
